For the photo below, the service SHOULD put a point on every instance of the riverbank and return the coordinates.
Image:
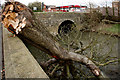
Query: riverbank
(107, 29)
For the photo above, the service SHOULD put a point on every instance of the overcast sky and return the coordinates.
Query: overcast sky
(67, 2)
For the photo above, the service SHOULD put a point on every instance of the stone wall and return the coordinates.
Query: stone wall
(53, 20)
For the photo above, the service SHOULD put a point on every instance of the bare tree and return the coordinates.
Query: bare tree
(21, 21)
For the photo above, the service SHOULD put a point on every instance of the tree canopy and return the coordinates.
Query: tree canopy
(36, 4)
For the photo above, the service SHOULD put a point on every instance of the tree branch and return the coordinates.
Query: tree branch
(28, 28)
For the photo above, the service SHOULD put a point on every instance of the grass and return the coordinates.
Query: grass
(37, 11)
(114, 29)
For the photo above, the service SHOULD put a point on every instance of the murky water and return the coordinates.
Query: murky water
(104, 48)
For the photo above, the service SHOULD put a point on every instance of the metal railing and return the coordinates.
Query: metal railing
(2, 72)
(0, 51)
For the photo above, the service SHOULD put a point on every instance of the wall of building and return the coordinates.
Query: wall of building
(116, 6)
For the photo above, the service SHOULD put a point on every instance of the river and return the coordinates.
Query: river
(105, 48)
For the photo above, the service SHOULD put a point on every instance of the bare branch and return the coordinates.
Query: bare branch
(36, 33)
(106, 63)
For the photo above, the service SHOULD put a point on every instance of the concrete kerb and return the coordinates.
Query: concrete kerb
(19, 63)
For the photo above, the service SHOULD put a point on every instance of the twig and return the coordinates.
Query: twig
(91, 53)
(104, 64)
(54, 69)
(88, 46)
(68, 70)
(49, 62)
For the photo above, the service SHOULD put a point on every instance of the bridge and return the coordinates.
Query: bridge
(57, 21)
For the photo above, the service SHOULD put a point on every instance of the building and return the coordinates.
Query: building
(106, 11)
(71, 8)
(111, 11)
(9, 0)
(116, 7)
(49, 8)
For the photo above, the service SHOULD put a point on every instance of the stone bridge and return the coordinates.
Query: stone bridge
(56, 21)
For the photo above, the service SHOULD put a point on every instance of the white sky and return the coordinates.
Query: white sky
(66, 2)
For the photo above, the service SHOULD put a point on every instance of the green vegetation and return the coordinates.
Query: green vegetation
(36, 4)
(37, 11)
(114, 29)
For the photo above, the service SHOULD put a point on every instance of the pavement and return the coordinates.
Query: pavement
(18, 61)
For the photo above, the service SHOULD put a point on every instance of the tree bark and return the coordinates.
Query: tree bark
(21, 21)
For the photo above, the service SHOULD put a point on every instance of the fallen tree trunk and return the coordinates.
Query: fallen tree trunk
(21, 21)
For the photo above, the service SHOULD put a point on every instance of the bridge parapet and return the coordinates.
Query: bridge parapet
(19, 62)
